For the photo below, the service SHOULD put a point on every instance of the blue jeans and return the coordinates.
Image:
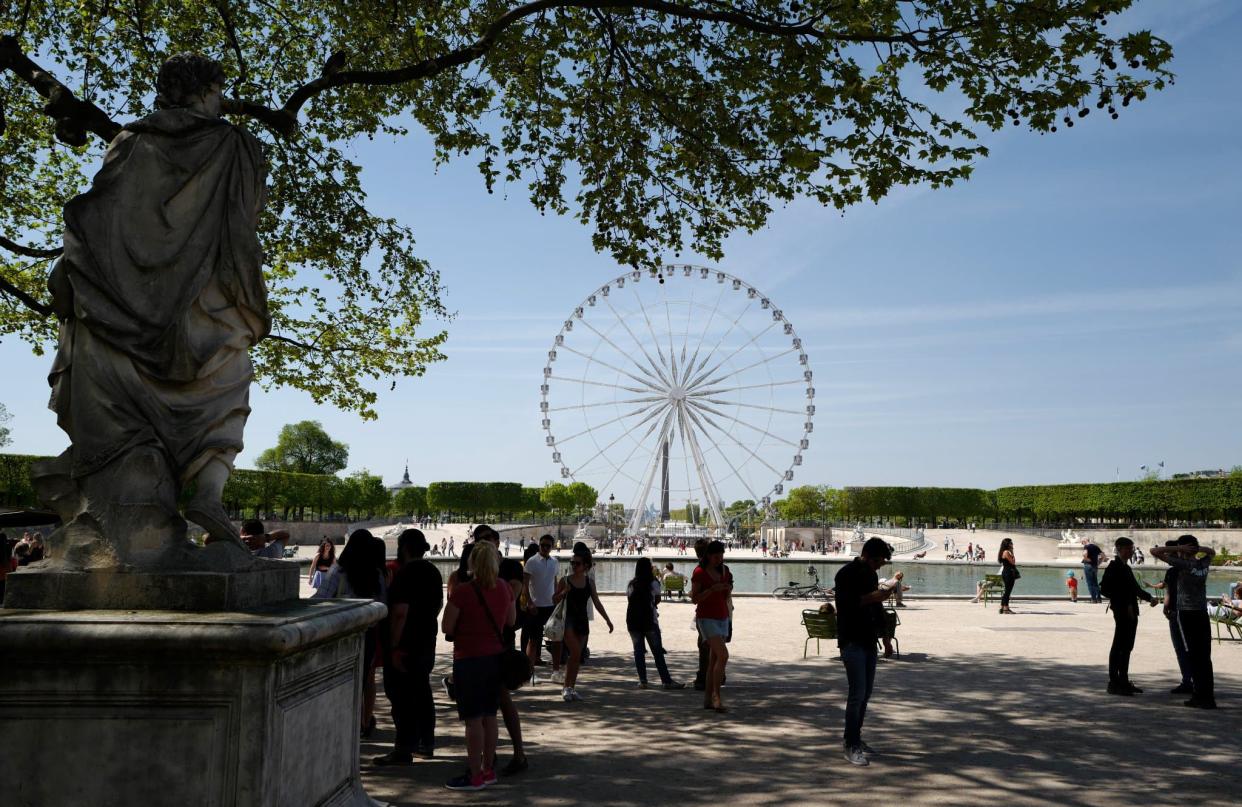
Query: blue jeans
(651, 637)
(1093, 583)
(859, 661)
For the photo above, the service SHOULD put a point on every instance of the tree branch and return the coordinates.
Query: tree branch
(29, 252)
(284, 120)
(74, 117)
(25, 299)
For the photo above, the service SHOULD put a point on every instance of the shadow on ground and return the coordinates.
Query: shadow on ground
(952, 730)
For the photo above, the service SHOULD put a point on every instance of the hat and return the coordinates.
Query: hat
(1069, 573)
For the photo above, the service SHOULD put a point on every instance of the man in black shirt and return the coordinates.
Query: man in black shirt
(1123, 592)
(1091, 557)
(1186, 687)
(414, 601)
(860, 617)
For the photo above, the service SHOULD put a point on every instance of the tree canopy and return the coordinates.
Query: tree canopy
(304, 448)
(663, 125)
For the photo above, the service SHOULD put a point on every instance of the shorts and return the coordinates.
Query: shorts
(476, 682)
(711, 628)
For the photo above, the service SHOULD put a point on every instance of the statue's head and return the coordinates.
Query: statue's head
(189, 80)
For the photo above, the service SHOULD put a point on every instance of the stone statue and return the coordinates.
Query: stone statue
(160, 296)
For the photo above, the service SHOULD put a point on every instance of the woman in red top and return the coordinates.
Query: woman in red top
(710, 588)
(474, 617)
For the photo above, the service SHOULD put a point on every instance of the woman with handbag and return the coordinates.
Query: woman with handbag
(1009, 572)
(576, 590)
(472, 621)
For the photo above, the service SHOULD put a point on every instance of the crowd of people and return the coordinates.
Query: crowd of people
(492, 604)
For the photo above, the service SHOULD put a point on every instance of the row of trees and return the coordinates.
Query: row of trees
(1155, 500)
(359, 496)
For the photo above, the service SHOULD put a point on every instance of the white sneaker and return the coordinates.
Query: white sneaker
(558, 677)
(534, 679)
(854, 756)
(567, 694)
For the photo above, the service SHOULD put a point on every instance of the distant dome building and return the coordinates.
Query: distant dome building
(405, 481)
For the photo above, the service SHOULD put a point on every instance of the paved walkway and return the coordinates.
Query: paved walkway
(980, 709)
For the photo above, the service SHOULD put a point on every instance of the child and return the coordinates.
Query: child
(1071, 582)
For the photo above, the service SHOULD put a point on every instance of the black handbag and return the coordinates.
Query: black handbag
(515, 668)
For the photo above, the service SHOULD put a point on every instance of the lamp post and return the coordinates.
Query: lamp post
(611, 498)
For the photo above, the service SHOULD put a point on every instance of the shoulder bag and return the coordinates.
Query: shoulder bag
(515, 669)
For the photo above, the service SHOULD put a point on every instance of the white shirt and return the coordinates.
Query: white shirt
(542, 573)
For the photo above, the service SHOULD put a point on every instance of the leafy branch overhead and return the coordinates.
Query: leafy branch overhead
(664, 126)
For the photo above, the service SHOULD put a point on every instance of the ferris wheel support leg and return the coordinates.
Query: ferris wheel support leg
(649, 477)
(705, 475)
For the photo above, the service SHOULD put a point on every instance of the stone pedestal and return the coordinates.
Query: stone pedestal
(247, 709)
(50, 588)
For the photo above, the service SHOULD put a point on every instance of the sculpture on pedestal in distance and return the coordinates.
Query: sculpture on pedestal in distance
(160, 296)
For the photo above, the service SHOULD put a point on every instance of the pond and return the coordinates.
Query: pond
(760, 577)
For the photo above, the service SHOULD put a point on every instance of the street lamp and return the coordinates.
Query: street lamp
(611, 498)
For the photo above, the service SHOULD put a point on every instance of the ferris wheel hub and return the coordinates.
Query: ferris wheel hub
(677, 394)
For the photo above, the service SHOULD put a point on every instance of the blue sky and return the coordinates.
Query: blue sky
(1069, 314)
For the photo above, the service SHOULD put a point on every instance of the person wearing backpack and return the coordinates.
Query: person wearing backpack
(643, 623)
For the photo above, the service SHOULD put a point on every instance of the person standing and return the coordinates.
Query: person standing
(711, 586)
(860, 616)
(1123, 593)
(705, 651)
(1194, 628)
(577, 589)
(1009, 572)
(539, 578)
(321, 564)
(642, 620)
(359, 574)
(414, 602)
(510, 573)
(1186, 685)
(472, 618)
(1091, 557)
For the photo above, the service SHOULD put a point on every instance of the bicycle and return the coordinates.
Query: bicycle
(798, 591)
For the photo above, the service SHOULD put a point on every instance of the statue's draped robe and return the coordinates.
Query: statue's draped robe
(160, 291)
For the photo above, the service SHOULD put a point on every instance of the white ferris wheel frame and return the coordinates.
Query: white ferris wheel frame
(685, 397)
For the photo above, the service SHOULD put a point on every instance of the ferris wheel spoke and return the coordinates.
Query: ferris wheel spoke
(617, 348)
(699, 381)
(601, 362)
(642, 348)
(696, 416)
(732, 327)
(736, 473)
(633, 413)
(685, 337)
(672, 354)
(752, 366)
(706, 327)
(655, 340)
(700, 393)
(648, 399)
(598, 384)
(719, 402)
(703, 407)
(624, 462)
(621, 437)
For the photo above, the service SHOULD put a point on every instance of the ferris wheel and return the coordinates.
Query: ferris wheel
(682, 387)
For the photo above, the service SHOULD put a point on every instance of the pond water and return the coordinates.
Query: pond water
(760, 577)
